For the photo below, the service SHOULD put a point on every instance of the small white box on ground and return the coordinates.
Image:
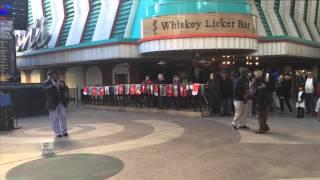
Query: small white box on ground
(47, 147)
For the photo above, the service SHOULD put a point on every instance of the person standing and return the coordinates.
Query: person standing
(227, 93)
(241, 95)
(300, 105)
(160, 81)
(310, 87)
(285, 93)
(263, 86)
(146, 98)
(214, 94)
(57, 100)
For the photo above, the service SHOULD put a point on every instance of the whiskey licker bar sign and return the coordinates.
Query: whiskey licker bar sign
(200, 24)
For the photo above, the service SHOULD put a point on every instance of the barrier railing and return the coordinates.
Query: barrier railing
(162, 96)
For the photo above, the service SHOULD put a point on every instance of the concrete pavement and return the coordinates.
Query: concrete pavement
(128, 145)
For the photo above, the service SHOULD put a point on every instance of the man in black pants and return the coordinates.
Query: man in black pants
(285, 92)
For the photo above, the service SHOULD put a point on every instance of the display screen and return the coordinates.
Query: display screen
(7, 52)
(15, 10)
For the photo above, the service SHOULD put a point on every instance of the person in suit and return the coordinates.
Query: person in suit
(57, 100)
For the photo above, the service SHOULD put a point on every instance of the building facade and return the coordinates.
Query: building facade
(92, 42)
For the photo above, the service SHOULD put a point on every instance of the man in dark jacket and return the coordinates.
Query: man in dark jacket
(160, 81)
(214, 94)
(227, 93)
(57, 100)
(241, 95)
(284, 92)
(263, 85)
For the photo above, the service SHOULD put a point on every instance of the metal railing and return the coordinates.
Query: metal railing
(168, 96)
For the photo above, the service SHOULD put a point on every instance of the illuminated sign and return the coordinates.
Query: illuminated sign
(206, 24)
(37, 36)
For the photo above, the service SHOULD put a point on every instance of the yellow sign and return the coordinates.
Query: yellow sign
(188, 24)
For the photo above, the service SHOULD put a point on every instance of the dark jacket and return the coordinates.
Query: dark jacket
(241, 89)
(157, 81)
(285, 88)
(263, 93)
(55, 96)
(64, 96)
(214, 89)
(303, 96)
(227, 88)
(52, 95)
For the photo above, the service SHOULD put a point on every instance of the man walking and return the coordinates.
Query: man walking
(263, 86)
(57, 97)
(241, 96)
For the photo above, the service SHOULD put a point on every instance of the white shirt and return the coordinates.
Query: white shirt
(309, 86)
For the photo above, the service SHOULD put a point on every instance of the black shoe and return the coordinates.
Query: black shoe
(234, 127)
(65, 134)
(244, 127)
(59, 136)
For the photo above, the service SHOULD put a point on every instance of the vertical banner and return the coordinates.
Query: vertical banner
(7, 52)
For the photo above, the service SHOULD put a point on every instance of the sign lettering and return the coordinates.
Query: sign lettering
(199, 24)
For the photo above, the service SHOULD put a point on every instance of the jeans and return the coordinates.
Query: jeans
(310, 102)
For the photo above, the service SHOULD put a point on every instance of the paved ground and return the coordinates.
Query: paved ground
(119, 145)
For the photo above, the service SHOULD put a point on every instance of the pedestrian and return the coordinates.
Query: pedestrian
(263, 85)
(57, 100)
(300, 105)
(214, 94)
(317, 109)
(310, 87)
(160, 81)
(251, 100)
(241, 96)
(175, 90)
(284, 93)
(146, 85)
(227, 93)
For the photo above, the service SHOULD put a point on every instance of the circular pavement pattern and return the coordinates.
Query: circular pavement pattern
(76, 166)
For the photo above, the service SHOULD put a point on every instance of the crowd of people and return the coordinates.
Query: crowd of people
(228, 94)
(231, 94)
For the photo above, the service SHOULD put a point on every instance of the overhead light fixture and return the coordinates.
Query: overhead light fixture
(257, 63)
(162, 62)
(228, 62)
(257, 58)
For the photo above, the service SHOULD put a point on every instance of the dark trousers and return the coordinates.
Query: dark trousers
(286, 100)
(254, 106)
(262, 118)
(214, 105)
(300, 112)
(226, 105)
(310, 102)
